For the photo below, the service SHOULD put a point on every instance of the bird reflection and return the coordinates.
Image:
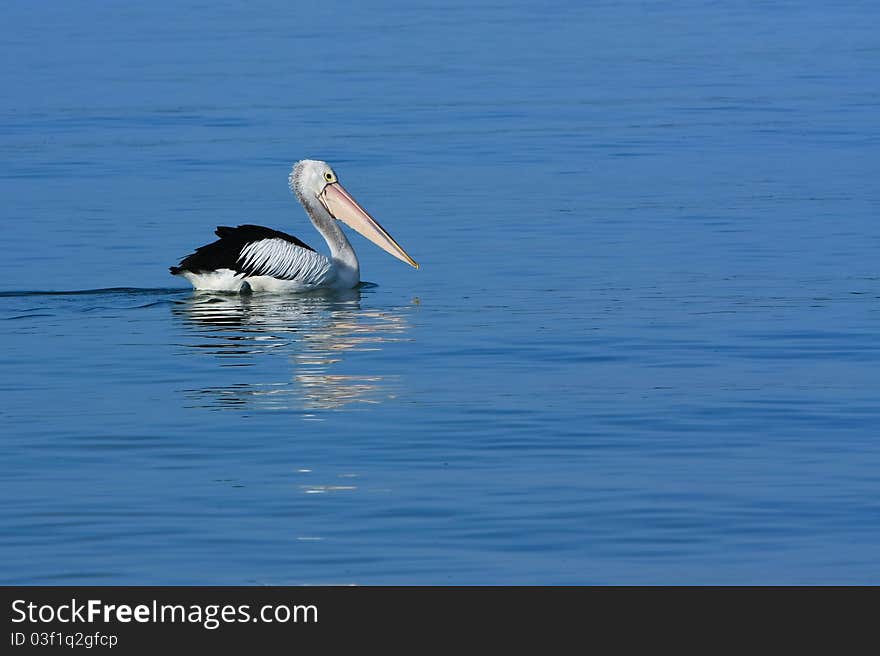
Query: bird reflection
(294, 345)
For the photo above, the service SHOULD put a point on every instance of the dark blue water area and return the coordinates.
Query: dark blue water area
(642, 346)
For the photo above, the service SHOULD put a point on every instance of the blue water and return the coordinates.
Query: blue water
(642, 346)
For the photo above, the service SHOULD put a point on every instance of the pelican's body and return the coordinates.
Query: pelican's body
(255, 258)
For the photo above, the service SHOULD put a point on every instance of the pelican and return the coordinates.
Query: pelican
(254, 258)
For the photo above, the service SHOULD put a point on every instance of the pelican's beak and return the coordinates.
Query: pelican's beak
(342, 206)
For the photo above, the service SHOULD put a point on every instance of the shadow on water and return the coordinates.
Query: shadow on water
(105, 291)
(289, 352)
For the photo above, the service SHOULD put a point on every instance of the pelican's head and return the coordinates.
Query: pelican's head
(312, 179)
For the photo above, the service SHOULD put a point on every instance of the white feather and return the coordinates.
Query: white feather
(221, 280)
(280, 259)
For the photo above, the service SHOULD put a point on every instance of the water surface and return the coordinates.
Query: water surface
(642, 346)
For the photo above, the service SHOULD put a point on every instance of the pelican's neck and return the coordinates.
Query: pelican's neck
(341, 251)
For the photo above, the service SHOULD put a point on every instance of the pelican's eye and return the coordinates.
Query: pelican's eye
(329, 177)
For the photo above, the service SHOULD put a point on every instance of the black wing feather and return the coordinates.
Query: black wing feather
(224, 253)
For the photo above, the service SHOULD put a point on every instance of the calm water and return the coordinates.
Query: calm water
(642, 346)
